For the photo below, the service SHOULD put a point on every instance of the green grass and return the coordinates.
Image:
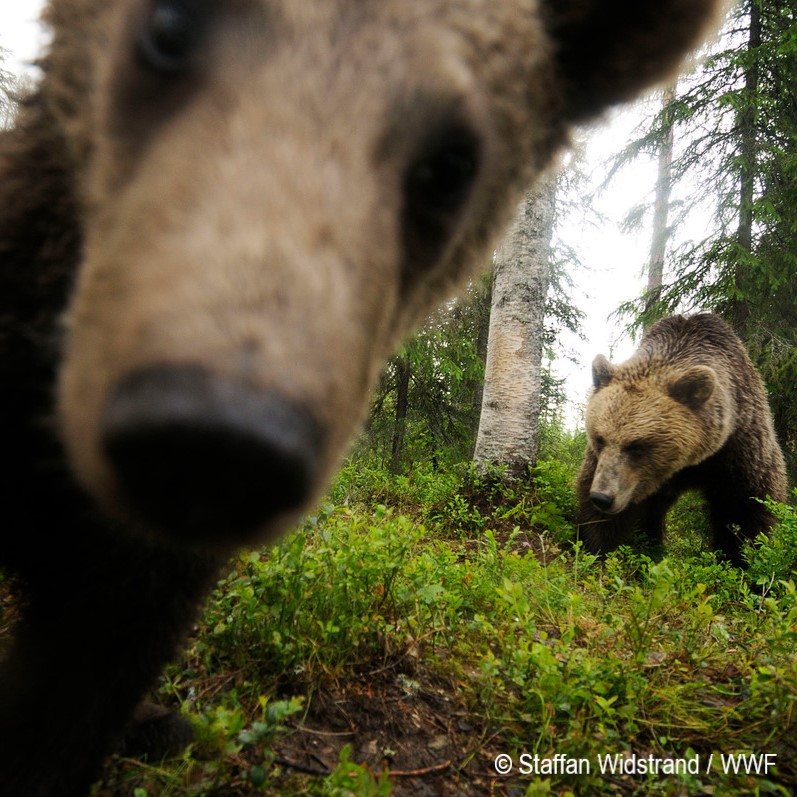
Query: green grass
(464, 613)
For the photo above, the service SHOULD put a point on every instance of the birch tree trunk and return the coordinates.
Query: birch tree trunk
(509, 424)
(661, 209)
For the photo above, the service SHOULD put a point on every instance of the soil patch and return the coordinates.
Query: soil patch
(418, 731)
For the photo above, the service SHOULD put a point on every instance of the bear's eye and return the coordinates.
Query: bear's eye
(437, 184)
(636, 449)
(599, 444)
(171, 34)
(439, 180)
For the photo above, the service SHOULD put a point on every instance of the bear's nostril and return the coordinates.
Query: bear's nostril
(603, 501)
(202, 458)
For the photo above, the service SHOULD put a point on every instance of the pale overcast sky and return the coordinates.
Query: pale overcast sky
(20, 33)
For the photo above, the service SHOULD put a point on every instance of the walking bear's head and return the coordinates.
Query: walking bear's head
(272, 193)
(647, 420)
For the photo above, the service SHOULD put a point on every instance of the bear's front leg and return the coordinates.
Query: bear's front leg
(90, 642)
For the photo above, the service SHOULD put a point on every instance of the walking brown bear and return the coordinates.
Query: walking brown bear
(217, 219)
(687, 411)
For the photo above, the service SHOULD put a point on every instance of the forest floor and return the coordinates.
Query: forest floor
(421, 633)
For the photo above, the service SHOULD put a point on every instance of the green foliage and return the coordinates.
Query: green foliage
(226, 733)
(363, 480)
(352, 779)
(544, 499)
(773, 559)
(536, 649)
(443, 366)
(313, 602)
(563, 445)
(688, 527)
(467, 501)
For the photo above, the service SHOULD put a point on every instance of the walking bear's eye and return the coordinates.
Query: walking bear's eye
(636, 449)
(171, 34)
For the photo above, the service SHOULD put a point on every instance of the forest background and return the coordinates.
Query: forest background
(435, 613)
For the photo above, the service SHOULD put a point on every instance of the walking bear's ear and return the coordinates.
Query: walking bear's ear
(609, 50)
(694, 387)
(602, 372)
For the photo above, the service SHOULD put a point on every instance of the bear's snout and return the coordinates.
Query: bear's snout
(602, 501)
(203, 458)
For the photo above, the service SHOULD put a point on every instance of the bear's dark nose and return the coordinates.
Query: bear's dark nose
(202, 458)
(603, 501)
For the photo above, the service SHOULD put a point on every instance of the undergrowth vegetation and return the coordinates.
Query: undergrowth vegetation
(418, 627)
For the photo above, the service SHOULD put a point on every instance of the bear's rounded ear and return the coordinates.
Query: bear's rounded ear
(602, 372)
(609, 50)
(694, 387)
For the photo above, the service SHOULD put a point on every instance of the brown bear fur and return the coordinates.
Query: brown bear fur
(687, 411)
(216, 222)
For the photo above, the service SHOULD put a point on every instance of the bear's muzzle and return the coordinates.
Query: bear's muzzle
(202, 457)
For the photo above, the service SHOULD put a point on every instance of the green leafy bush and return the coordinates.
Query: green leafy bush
(773, 558)
(543, 654)
(316, 600)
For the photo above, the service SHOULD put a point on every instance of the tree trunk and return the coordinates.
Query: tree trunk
(402, 403)
(661, 210)
(509, 424)
(484, 300)
(747, 126)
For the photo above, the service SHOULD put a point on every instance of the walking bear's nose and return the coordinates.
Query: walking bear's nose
(200, 457)
(602, 501)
